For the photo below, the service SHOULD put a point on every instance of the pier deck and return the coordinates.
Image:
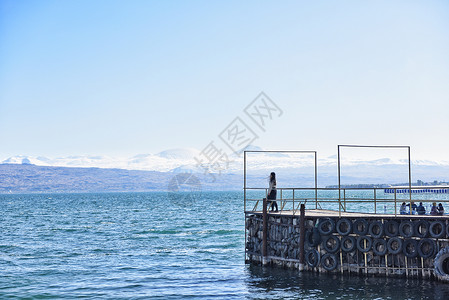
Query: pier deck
(336, 240)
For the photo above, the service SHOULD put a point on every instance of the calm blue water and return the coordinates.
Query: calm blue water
(142, 245)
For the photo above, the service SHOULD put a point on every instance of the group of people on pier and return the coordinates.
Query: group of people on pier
(420, 209)
(415, 209)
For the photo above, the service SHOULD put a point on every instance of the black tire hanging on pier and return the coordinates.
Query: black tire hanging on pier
(361, 243)
(329, 261)
(394, 245)
(437, 229)
(406, 229)
(360, 226)
(410, 248)
(312, 258)
(380, 247)
(331, 243)
(344, 226)
(447, 231)
(421, 228)
(391, 228)
(348, 243)
(376, 229)
(312, 238)
(326, 226)
(426, 248)
(441, 264)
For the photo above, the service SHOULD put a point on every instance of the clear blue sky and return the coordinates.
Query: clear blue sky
(129, 77)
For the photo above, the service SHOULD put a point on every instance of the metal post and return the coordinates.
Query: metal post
(302, 232)
(244, 199)
(264, 233)
(365, 255)
(341, 261)
(316, 182)
(294, 210)
(244, 180)
(406, 266)
(395, 204)
(375, 203)
(410, 180)
(365, 146)
(422, 268)
(282, 202)
(339, 183)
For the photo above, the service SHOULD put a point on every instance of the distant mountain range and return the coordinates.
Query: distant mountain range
(28, 178)
(155, 172)
(184, 159)
(163, 161)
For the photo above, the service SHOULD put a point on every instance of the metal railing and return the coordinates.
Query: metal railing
(364, 200)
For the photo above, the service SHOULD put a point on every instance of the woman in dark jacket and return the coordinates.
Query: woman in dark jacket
(272, 192)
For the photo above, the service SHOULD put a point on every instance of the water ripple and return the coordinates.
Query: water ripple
(138, 245)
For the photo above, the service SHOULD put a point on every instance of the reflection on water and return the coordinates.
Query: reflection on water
(277, 283)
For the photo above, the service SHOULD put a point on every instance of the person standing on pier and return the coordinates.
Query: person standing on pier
(421, 209)
(403, 209)
(434, 209)
(272, 192)
(413, 207)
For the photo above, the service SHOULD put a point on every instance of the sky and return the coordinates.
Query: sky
(127, 77)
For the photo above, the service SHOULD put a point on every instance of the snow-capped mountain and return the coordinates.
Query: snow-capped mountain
(179, 153)
(144, 172)
(163, 161)
(23, 160)
(182, 160)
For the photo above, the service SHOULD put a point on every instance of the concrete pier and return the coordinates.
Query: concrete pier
(356, 243)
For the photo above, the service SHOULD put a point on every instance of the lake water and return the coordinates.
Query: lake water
(154, 245)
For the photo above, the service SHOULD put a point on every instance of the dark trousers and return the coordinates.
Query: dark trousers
(271, 203)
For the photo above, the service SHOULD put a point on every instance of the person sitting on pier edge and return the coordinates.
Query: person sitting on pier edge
(440, 209)
(421, 209)
(272, 192)
(403, 209)
(414, 207)
(434, 209)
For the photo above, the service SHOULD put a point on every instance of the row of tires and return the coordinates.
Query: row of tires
(376, 229)
(329, 262)
(411, 248)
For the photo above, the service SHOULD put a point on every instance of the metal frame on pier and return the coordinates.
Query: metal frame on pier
(323, 198)
(385, 147)
(273, 243)
(245, 188)
(280, 151)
